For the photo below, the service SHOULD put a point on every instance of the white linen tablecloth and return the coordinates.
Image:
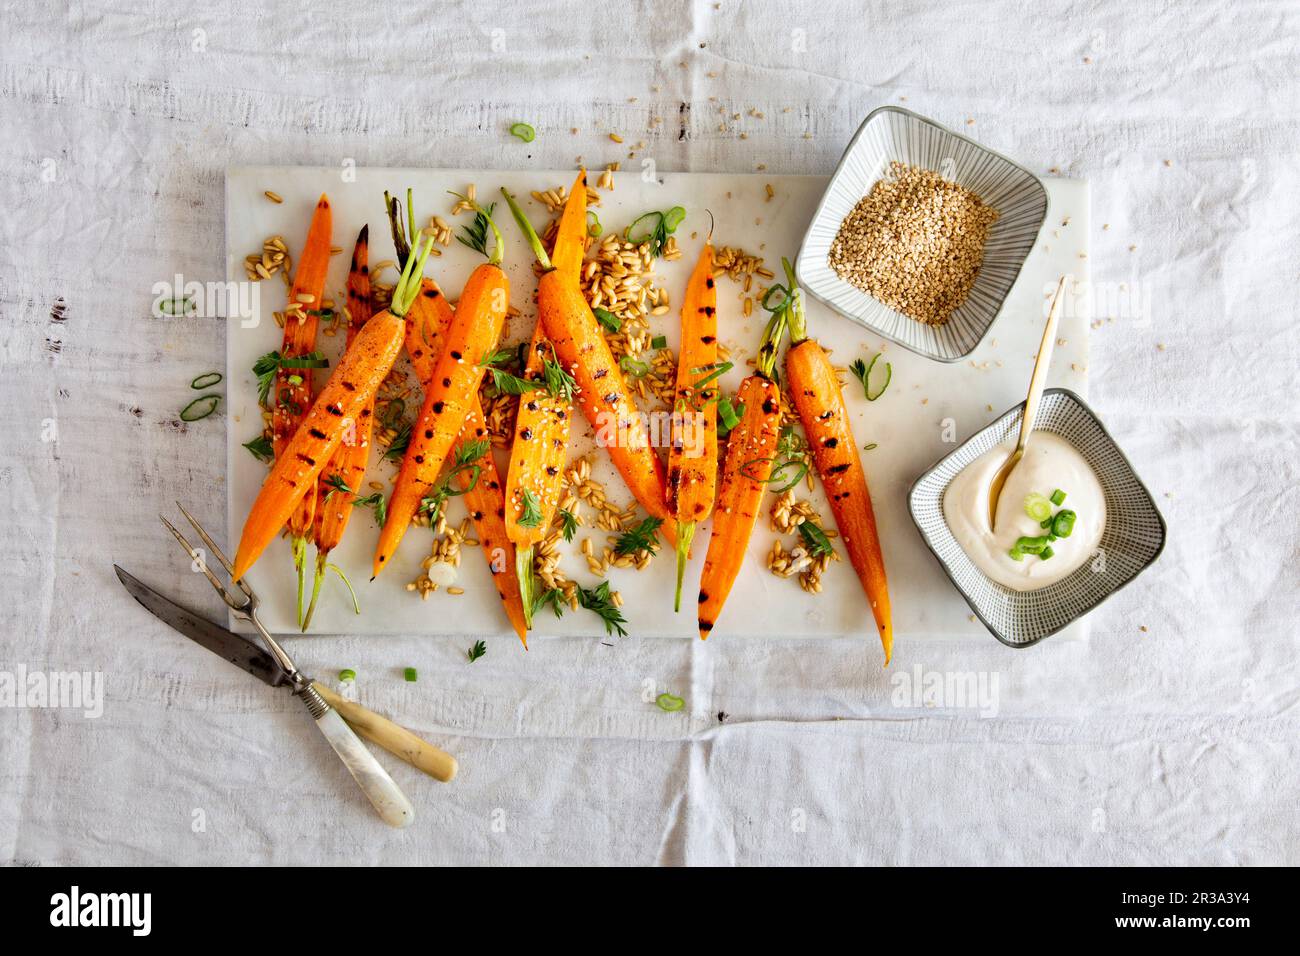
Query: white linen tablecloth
(1169, 738)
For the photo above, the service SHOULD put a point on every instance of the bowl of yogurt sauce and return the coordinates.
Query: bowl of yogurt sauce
(1074, 524)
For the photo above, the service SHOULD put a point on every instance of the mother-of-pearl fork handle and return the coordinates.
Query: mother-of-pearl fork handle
(384, 795)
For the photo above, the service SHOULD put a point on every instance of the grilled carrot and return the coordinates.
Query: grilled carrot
(693, 454)
(350, 388)
(815, 392)
(293, 387)
(601, 392)
(471, 341)
(484, 497)
(541, 440)
(340, 481)
(751, 456)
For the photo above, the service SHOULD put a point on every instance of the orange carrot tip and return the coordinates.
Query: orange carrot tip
(685, 534)
(527, 228)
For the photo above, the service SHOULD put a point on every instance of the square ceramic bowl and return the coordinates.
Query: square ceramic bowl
(1132, 540)
(889, 134)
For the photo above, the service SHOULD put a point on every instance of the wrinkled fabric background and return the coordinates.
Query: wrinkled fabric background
(1168, 738)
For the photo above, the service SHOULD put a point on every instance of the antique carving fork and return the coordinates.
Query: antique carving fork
(386, 797)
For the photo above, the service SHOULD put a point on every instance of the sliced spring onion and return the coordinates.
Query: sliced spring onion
(1045, 523)
(673, 218)
(524, 132)
(206, 380)
(594, 228)
(1037, 506)
(669, 702)
(1016, 554)
(608, 319)
(866, 378)
(411, 675)
(728, 416)
(295, 380)
(1063, 523)
(1058, 497)
(633, 367)
(654, 219)
(659, 342)
(347, 674)
(716, 370)
(1030, 545)
(200, 408)
(1045, 554)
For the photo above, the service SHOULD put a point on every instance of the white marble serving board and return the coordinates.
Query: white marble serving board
(928, 408)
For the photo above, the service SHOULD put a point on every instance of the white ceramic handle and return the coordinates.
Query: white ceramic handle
(386, 797)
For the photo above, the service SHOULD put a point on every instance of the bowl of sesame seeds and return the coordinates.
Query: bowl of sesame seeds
(921, 234)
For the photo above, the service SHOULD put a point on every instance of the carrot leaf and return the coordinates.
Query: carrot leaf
(531, 515)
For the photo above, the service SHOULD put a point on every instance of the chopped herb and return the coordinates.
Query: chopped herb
(870, 447)
(477, 651)
(669, 702)
(815, 538)
(600, 602)
(200, 408)
(267, 365)
(531, 515)
(207, 380)
(411, 675)
(261, 448)
(347, 674)
(640, 538)
(527, 134)
(553, 597)
(568, 524)
(862, 372)
(476, 234)
(1058, 497)
(507, 383)
(376, 501)
(608, 319)
(466, 460)
(337, 484)
(659, 342)
(558, 382)
(401, 441)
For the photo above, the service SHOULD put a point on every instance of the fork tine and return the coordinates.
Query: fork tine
(221, 555)
(203, 565)
(212, 545)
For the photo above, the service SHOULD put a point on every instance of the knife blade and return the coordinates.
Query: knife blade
(247, 656)
(227, 645)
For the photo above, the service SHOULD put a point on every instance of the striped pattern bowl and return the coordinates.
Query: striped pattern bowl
(888, 134)
(1133, 537)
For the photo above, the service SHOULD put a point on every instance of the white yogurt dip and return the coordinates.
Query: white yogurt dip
(1050, 463)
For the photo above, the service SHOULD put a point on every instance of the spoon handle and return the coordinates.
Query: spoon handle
(1041, 365)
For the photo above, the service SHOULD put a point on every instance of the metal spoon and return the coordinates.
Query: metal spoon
(1036, 383)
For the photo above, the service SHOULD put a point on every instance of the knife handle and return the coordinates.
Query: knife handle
(384, 795)
(397, 740)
